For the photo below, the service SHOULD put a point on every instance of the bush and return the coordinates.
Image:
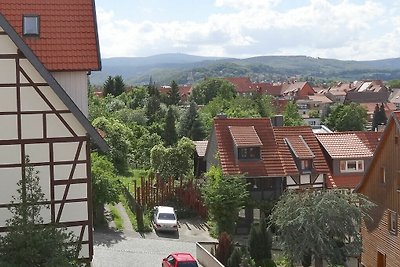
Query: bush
(260, 242)
(224, 248)
(236, 257)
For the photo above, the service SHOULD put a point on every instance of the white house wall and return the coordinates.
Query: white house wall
(35, 122)
(76, 86)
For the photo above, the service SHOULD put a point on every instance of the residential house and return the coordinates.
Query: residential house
(381, 184)
(47, 50)
(338, 92)
(348, 155)
(370, 108)
(271, 158)
(312, 108)
(368, 92)
(296, 90)
(394, 97)
(184, 91)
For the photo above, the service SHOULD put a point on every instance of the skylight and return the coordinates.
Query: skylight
(31, 25)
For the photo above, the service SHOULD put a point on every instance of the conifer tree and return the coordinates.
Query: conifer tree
(173, 94)
(29, 241)
(170, 135)
(108, 87)
(119, 85)
(191, 125)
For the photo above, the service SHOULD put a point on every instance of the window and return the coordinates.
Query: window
(393, 222)
(249, 153)
(31, 25)
(351, 166)
(305, 165)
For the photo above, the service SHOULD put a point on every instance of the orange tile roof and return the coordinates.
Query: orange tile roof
(306, 133)
(242, 84)
(343, 182)
(270, 164)
(299, 147)
(245, 136)
(344, 145)
(68, 32)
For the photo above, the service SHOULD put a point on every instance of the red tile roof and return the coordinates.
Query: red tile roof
(299, 147)
(68, 38)
(343, 182)
(270, 164)
(242, 84)
(245, 136)
(306, 133)
(344, 145)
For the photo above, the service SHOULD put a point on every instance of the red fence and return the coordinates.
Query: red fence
(153, 192)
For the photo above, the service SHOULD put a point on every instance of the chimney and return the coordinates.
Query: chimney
(277, 120)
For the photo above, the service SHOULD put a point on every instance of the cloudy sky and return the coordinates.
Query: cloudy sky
(341, 29)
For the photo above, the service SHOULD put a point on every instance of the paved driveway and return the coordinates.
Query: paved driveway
(118, 249)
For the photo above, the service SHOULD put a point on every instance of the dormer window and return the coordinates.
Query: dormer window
(306, 164)
(248, 153)
(31, 25)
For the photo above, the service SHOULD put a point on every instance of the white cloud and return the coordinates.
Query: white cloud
(257, 27)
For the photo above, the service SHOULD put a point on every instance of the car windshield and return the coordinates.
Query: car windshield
(166, 216)
(187, 264)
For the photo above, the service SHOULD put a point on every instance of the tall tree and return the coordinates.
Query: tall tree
(173, 94)
(29, 242)
(108, 86)
(206, 90)
(119, 85)
(323, 224)
(347, 117)
(191, 125)
(375, 118)
(170, 135)
(224, 196)
(291, 115)
(382, 115)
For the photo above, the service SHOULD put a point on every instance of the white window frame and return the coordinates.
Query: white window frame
(392, 222)
(357, 163)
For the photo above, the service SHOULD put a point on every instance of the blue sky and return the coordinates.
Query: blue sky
(341, 29)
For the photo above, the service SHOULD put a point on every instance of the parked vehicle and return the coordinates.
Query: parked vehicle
(179, 260)
(164, 219)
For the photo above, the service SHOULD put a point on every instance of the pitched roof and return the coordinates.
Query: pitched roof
(320, 98)
(348, 144)
(367, 97)
(275, 90)
(242, 84)
(308, 148)
(270, 164)
(292, 87)
(68, 32)
(345, 181)
(245, 136)
(395, 96)
(33, 59)
(299, 147)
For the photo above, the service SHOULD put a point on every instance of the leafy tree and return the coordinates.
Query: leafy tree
(97, 106)
(170, 135)
(142, 152)
(224, 196)
(105, 186)
(191, 125)
(119, 85)
(173, 161)
(136, 98)
(118, 136)
(394, 83)
(291, 115)
(347, 117)
(209, 88)
(260, 242)
(29, 242)
(108, 86)
(173, 94)
(324, 224)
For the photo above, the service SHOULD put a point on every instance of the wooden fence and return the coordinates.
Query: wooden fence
(155, 192)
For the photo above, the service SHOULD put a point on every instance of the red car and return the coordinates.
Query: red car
(179, 260)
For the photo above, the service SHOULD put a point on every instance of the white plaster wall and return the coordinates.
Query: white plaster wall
(7, 73)
(8, 127)
(10, 154)
(32, 101)
(67, 151)
(8, 99)
(61, 172)
(73, 212)
(53, 98)
(5, 214)
(320, 179)
(32, 126)
(6, 45)
(76, 86)
(75, 124)
(55, 127)
(9, 178)
(304, 179)
(290, 181)
(84, 253)
(33, 74)
(75, 191)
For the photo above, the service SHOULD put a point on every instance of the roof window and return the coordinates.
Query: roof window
(31, 25)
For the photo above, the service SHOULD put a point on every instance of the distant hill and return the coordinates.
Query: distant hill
(186, 69)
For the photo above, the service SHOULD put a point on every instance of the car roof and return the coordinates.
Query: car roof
(166, 209)
(183, 256)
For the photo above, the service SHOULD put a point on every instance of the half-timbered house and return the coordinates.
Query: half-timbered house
(47, 49)
(381, 184)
